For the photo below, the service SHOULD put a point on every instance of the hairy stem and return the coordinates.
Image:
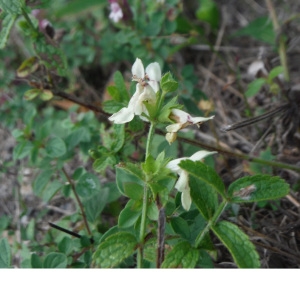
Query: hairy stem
(145, 201)
(149, 139)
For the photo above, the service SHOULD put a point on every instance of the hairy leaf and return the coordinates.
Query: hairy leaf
(183, 255)
(238, 244)
(257, 188)
(115, 249)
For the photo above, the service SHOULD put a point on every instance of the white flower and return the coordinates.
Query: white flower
(147, 86)
(182, 120)
(182, 184)
(116, 13)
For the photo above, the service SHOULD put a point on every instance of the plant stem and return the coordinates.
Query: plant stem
(25, 15)
(78, 201)
(150, 138)
(211, 222)
(145, 201)
(143, 227)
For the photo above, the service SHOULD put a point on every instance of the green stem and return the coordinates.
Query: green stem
(150, 138)
(143, 227)
(160, 101)
(25, 15)
(145, 201)
(211, 222)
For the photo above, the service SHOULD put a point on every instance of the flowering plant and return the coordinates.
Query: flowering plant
(149, 187)
(167, 207)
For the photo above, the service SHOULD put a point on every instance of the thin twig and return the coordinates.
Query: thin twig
(78, 200)
(74, 99)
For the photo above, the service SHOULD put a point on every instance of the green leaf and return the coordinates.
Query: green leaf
(55, 147)
(119, 134)
(238, 244)
(208, 12)
(51, 189)
(254, 87)
(30, 230)
(259, 29)
(183, 255)
(77, 7)
(121, 86)
(22, 150)
(65, 245)
(36, 262)
(130, 214)
(181, 227)
(167, 109)
(55, 261)
(31, 94)
(28, 66)
(46, 95)
(133, 190)
(87, 185)
(5, 254)
(95, 205)
(128, 173)
(114, 92)
(100, 164)
(257, 188)
(205, 260)
(205, 198)
(8, 21)
(152, 211)
(41, 182)
(168, 84)
(112, 106)
(13, 7)
(205, 174)
(78, 172)
(275, 72)
(115, 249)
(81, 134)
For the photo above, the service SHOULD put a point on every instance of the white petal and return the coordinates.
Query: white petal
(124, 115)
(135, 97)
(153, 71)
(201, 154)
(183, 181)
(173, 164)
(186, 199)
(171, 137)
(154, 85)
(147, 95)
(138, 69)
(154, 74)
(180, 116)
(197, 120)
(174, 127)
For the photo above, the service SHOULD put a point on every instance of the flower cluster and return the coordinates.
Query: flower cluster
(146, 88)
(182, 184)
(148, 84)
(182, 120)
